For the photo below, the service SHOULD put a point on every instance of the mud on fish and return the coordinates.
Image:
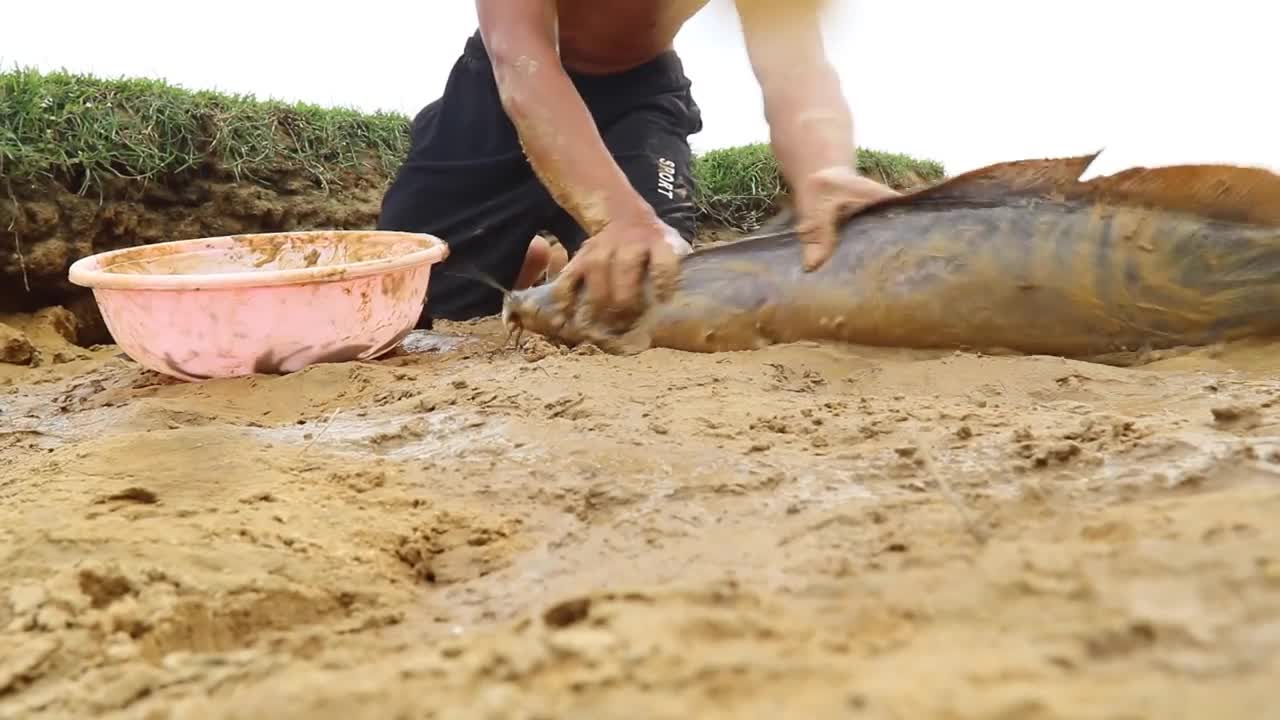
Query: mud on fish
(1020, 256)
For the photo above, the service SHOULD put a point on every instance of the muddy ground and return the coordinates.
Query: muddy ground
(463, 531)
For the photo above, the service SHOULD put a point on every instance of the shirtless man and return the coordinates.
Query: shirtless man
(573, 117)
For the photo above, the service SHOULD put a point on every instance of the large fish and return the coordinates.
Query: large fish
(1020, 256)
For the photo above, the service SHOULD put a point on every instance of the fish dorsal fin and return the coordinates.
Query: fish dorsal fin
(1044, 177)
(1229, 193)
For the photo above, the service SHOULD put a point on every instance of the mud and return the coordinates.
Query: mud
(798, 531)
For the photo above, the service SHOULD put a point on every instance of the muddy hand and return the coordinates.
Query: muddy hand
(829, 197)
(611, 269)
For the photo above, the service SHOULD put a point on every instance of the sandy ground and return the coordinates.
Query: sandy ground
(799, 532)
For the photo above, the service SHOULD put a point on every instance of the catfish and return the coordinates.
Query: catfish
(1020, 257)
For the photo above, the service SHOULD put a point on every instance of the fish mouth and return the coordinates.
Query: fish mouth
(522, 313)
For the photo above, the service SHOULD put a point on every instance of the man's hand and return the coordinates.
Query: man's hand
(825, 199)
(612, 267)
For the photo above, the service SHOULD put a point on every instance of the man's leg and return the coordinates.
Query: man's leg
(648, 136)
(543, 261)
(660, 172)
(466, 181)
(655, 155)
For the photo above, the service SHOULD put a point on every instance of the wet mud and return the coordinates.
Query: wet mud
(458, 530)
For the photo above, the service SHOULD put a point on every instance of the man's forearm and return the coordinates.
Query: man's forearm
(563, 145)
(810, 125)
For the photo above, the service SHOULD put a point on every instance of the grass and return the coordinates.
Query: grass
(64, 125)
(83, 129)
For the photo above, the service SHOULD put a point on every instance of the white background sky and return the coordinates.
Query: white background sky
(968, 83)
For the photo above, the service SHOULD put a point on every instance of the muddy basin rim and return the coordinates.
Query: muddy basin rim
(101, 270)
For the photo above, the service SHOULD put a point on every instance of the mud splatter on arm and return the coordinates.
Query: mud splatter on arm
(555, 128)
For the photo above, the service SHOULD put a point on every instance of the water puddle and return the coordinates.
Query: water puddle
(439, 435)
(428, 341)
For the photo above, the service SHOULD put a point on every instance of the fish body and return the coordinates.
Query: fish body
(1020, 257)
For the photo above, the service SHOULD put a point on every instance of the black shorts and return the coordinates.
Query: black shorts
(467, 181)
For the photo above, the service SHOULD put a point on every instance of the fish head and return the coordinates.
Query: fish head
(537, 310)
(531, 309)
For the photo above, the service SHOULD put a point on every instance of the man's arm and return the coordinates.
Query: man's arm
(556, 129)
(810, 125)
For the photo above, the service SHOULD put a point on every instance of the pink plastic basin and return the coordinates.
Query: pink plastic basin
(269, 303)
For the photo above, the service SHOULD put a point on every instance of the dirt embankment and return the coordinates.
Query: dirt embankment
(46, 225)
